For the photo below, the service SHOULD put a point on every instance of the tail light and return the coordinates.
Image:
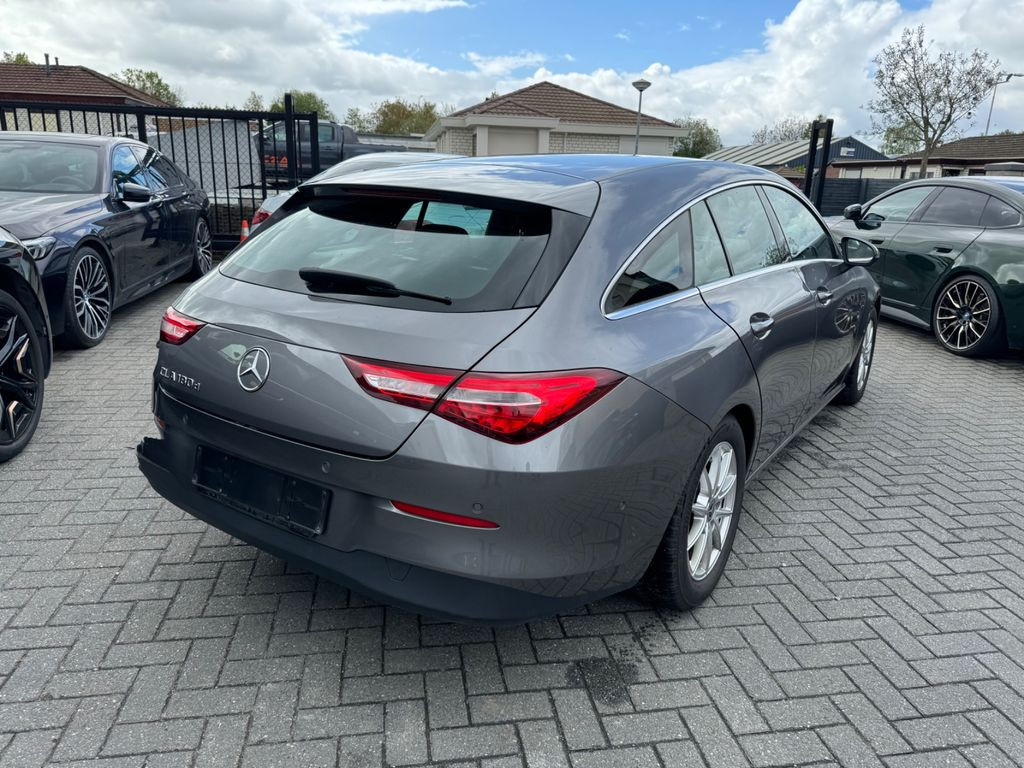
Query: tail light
(260, 216)
(176, 328)
(511, 407)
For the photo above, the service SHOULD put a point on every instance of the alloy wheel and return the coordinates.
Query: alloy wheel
(867, 349)
(963, 314)
(712, 511)
(19, 382)
(204, 247)
(92, 296)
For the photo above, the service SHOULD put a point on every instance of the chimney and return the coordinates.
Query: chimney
(56, 62)
(47, 57)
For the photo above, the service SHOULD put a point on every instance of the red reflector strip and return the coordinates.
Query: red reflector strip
(176, 328)
(442, 517)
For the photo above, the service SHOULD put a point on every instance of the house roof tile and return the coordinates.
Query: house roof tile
(32, 80)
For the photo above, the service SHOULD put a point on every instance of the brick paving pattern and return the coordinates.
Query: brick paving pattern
(872, 613)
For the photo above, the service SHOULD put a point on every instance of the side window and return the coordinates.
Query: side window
(165, 170)
(957, 207)
(325, 133)
(898, 206)
(152, 180)
(125, 166)
(999, 214)
(664, 266)
(709, 262)
(807, 239)
(746, 232)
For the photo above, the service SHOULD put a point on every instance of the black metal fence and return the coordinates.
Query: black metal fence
(839, 193)
(237, 156)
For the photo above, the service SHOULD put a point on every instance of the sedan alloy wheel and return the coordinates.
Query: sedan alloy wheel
(712, 511)
(92, 296)
(203, 249)
(966, 316)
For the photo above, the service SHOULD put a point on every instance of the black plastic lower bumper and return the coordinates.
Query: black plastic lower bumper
(412, 587)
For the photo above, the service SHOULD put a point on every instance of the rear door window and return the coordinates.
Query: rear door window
(663, 267)
(956, 207)
(745, 230)
(478, 252)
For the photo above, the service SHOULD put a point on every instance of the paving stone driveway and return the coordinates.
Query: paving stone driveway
(872, 612)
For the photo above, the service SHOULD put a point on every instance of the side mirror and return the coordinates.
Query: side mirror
(858, 253)
(134, 193)
(853, 212)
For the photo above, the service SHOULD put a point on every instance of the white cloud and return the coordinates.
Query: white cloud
(622, 35)
(500, 66)
(817, 59)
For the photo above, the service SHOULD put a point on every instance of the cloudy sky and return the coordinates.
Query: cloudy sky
(738, 64)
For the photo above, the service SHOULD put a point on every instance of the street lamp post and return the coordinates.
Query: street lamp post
(995, 84)
(641, 85)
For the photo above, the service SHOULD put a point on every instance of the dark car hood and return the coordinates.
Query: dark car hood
(31, 214)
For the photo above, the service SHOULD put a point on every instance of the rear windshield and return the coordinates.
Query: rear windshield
(27, 166)
(477, 252)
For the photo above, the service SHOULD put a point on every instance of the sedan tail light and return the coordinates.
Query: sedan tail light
(176, 328)
(511, 407)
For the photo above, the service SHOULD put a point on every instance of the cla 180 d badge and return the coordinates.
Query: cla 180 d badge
(254, 369)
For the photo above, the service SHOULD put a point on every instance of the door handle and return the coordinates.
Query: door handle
(824, 295)
(941, 250)
(761, 324)
(877, 240)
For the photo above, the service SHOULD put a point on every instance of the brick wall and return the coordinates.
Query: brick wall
(459, 141)
(590, 142)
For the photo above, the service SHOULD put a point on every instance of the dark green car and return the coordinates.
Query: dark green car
(952, 258)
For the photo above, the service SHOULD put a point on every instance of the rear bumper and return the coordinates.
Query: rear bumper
(566, 537)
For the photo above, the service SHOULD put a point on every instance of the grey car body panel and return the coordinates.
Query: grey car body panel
(581, 508)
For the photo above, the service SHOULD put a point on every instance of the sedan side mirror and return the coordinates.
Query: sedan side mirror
(135, 193)
(858, 253)
(853, 212)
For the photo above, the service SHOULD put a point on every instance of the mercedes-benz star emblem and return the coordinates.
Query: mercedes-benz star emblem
(254, 369)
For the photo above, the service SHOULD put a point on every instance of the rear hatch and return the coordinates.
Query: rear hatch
(478, 265)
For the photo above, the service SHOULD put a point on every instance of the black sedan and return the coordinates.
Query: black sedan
(106, 219)
(952, 258)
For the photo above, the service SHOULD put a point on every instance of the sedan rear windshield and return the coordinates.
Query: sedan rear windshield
(27, 166)
(478, 253)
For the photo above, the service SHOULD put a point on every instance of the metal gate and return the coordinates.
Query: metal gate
(237, 156)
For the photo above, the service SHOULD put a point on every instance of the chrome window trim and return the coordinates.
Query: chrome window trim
(686, 293)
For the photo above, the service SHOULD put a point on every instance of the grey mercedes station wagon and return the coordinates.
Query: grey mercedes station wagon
(497, 388)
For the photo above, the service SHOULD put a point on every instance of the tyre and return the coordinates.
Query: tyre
(856, 382)
(966, 318)
(202, 253)
(697, 543)
(21, 377)
(88, 299)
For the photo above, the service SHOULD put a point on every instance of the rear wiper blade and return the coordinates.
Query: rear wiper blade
(328, 281)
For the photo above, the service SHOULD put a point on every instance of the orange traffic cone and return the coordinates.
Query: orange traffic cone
(245, 230)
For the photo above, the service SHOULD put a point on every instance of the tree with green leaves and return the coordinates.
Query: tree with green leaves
(702, 139)
(397, 116)
(16, 57)
(305, 101)
(923, 93)
(150, 81)
(900, 139)
(253, 102)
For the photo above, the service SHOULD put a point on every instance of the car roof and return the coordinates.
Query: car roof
(569, 182)
(67, 138)
(980, 183)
